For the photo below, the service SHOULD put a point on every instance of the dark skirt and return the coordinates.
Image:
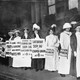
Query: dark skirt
(38, 63)
(73, 65)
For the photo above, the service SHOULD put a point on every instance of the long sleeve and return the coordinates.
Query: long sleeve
(57, 42)
(61, 41)
(46, 42)
(73, 42)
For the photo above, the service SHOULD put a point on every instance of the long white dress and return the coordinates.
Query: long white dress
(51, 62)
(78, 54)
(64, 62)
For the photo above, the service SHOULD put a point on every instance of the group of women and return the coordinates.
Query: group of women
(66, 60)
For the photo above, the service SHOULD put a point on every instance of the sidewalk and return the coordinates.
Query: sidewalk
(21, 74)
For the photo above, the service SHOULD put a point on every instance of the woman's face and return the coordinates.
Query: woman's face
(77, 29)
(10, 35)
(26, 31)
(36, 31)
(67, 29)
(51, 32)
(17, 34)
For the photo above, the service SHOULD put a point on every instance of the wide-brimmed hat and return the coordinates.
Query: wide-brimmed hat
(11, 32)
(67, 25)
(35, 26)
(16, 31)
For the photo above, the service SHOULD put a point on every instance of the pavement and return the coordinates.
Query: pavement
(9, 73)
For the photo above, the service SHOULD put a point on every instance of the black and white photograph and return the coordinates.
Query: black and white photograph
(39, 39)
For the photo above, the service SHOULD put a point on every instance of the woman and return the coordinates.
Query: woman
(65, 54)
(73, 46)
(37, 63)
(51, 62)
(26, 58)
(77, 51)
(17, 60)
(11, 34)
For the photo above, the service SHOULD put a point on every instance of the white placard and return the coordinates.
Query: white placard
(16, 48)
(38, 48)
(8, 48)
(26, 47)
(50, 51)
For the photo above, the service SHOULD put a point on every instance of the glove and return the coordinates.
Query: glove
(75, 54)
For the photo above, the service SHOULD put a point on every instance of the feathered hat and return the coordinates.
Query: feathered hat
(35, 26)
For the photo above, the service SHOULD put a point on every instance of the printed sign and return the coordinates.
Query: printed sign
(38, 48)
(50, 51)
(26, 47)
(2, 49)
(8, 48)
(16, 48)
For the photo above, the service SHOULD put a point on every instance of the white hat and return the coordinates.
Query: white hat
(53, 25)
(10, 32)
(67, 25)
(16, 31)
(73, 22)
(78, 27)
(1, 38)
(35, 26)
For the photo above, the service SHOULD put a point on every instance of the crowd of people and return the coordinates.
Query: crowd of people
(65, 59)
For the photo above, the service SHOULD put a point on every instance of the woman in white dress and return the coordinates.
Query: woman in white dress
(64, 59)
(77, 52)
(17, 60)
(51, 62)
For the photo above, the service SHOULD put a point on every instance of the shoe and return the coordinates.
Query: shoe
(26, 68)
(78, 78)
(62, 75)
(37, 70)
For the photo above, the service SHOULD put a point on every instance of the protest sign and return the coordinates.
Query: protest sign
(8, 48)
(50, 51)
(16, 48)
(26, 46)
(38, 48)
(0, 48)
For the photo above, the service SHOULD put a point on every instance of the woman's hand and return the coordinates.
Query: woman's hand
(75, 54)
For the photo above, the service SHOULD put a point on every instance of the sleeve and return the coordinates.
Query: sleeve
(46, 41)
(61, 40)
(57, 42)
(73, 42)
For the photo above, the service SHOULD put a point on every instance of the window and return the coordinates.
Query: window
(51, 4)
(73, 4)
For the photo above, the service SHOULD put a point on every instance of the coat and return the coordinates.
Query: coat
(78, 54)
(73, 45)
(64, 62)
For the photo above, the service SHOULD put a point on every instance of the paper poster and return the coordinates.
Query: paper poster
(38, 48)
(50, 51)
(16, 48)
(26, 47)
